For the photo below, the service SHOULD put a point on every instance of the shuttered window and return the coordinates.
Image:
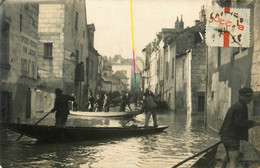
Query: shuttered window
(48, 50)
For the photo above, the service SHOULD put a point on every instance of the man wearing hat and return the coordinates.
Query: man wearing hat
(149, 107)
(235, 127)
(61, 106)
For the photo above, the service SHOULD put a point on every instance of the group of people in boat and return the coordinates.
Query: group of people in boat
(61, 106)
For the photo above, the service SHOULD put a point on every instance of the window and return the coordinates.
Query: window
(158, 67)
(24, 66)
(219, 56)
(87, 66)
(201, 103)
(34, 70)
(172, 68)
(21, 23)
(48, 50)
(4, 61)
(256, 108)
(76, 20)
(167, 70)
(26, 6)
(183, 69)
(28, 68)
(197, 38)
(91, 67)
(77, 56)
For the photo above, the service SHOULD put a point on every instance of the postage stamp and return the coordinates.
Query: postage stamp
(227, 27)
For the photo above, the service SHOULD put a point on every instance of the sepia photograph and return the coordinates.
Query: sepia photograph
(130, 83)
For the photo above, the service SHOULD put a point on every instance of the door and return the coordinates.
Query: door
(201, 103)
(28, 104)
(6, 105)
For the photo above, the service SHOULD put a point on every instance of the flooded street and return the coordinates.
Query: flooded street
(182, 139)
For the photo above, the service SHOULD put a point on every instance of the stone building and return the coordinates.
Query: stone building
(156, 66)
(139, 66)
(92, 63)
(176, 66)
(18, 57)
(231, 69)
(112, 82)
(187, 70)
(118, 63)
(63, 51)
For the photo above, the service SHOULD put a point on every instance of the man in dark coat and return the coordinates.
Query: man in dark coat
(98, 105)
(149, 107)
(235, 127)
(125, 101)
(91, 101)
(61, 106)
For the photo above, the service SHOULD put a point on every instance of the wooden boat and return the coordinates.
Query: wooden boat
(126, 114)
(53, 134)
(207, 160)
(250, 158)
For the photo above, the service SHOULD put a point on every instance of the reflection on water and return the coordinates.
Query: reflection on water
(182, 139)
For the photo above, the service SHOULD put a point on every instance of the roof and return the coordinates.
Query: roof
(110, 80)
(94, 50)
(119, 60)
(120, 75)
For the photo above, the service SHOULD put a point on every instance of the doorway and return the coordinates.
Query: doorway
(201, 104)
(6, 105)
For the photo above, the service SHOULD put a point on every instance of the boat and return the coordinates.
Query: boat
(126, 114)
(212, 158)
(207, 160)
(46, 133)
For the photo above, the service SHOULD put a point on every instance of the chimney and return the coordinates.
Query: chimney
(197, 22)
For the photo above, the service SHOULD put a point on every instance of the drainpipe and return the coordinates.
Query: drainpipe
(207, 74)
(206, 91)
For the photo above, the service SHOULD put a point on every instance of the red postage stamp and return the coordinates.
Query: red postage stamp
(227, 27)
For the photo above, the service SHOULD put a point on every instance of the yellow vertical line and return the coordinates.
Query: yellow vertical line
(132, 22)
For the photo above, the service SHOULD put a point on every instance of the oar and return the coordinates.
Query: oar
(130, 108)
(35, 124)
(205, 150)
(132, 118)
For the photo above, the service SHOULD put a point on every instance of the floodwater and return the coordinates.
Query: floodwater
(185, 137)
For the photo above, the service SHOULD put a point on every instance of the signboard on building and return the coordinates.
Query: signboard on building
(227, 27)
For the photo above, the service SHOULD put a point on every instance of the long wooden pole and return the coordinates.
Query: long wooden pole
(35, 124)
(205, 150)
(131, 118)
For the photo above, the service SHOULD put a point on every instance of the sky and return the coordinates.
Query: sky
(112, 19)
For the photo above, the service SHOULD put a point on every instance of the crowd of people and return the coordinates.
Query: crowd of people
(103, 102)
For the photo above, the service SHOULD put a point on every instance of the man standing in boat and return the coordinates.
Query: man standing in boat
(149, 106)
(61, 106)
(235, 128)
(125, 102)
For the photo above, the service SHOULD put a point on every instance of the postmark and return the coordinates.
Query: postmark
(227, 27)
